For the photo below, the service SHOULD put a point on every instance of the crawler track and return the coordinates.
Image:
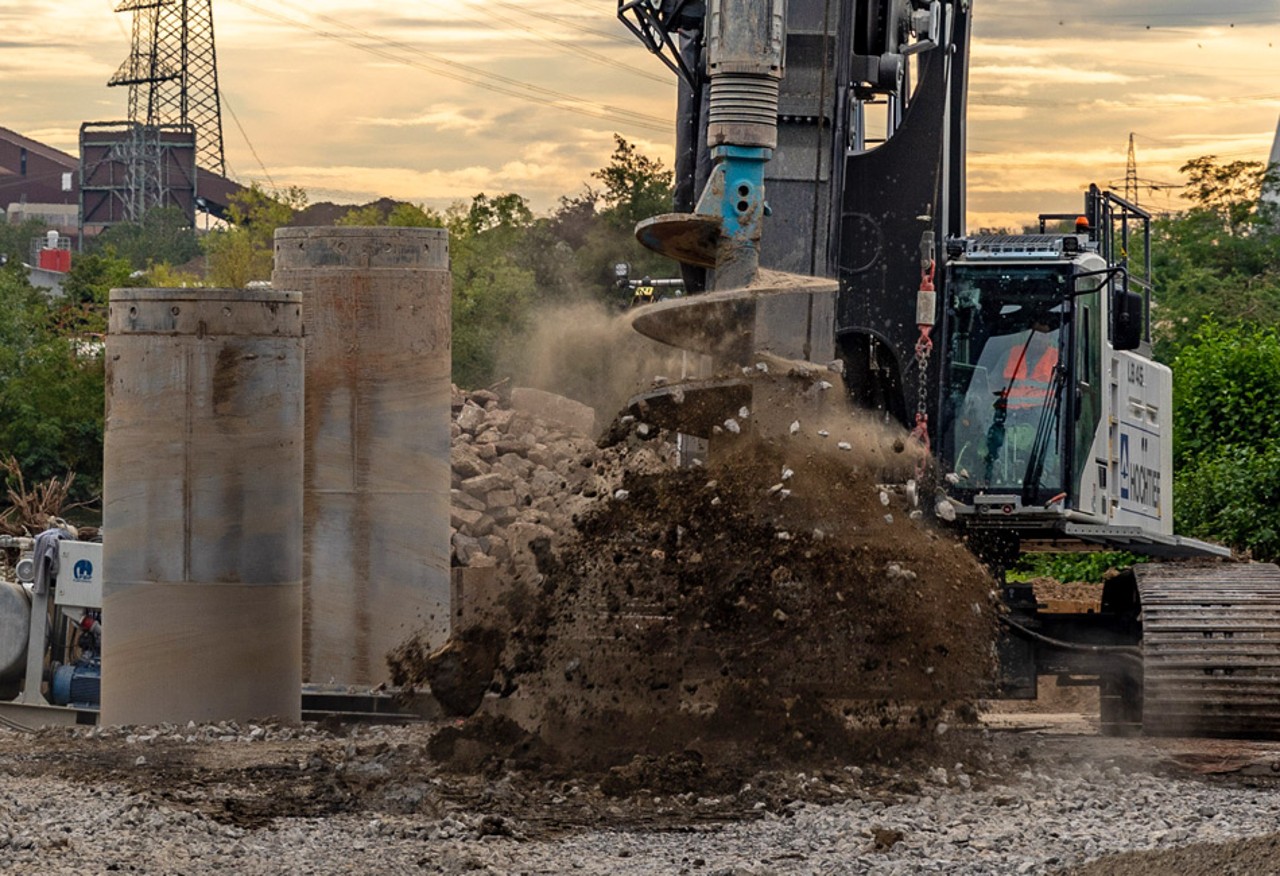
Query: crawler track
(1211, 649)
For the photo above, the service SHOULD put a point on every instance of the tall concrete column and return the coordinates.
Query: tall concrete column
(376, 305)
(202, 559)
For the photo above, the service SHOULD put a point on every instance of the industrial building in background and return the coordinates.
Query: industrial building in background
(38, 182)
(128, 169)
(124, 169)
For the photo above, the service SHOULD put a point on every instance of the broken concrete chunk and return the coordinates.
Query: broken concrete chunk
(500, 499)
(471, 417)
(485, 483)
(464, 518)
(460, 499)
(467, 463)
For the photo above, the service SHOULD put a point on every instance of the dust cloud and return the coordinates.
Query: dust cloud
(589, 353)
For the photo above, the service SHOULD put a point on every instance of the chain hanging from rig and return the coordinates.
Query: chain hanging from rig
(926, 314)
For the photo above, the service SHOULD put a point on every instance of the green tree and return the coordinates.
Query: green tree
(94, 275)
(163, 236)
(243, 251)
(1230, 192)
(405, 215)
(402, 215)
(635, 185)
(492, 290)
(363, 216)
(165, 276)
(1232, 494)
(15, 240)
(51, 383)
(1217, 312)
(1219, 259)
(505, 213)
(1224, 391)
(1227, 437)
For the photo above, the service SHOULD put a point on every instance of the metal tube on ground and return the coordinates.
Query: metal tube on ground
(377, 304)
(202, 557)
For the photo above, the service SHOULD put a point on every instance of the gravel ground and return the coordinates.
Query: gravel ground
(70, 804)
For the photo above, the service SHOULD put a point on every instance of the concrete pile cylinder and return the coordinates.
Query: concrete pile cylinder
(202, 554)
(376, 305)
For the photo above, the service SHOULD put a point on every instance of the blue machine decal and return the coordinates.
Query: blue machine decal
(1124, 466)
(82, 570)
(1139, 474)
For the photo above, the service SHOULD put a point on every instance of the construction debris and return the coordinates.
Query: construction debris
(641, 608)
(519, 476)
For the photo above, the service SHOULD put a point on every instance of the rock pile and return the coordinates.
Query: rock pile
(526, 467)
(621, 591)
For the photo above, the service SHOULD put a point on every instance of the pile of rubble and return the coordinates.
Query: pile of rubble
(622, 592)
(525, 466)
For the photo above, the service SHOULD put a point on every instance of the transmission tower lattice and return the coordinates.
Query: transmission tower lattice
(1134, 184)
(172, 72)
(1131, 175)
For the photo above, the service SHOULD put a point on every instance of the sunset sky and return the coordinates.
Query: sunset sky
(438, 100)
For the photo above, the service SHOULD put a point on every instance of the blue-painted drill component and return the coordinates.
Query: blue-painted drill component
(735, 196)
(742, 197)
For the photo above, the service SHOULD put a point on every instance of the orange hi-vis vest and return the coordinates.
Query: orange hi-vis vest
(1029, 391)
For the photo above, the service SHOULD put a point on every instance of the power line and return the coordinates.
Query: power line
(239, 127)
(1164, 65)
(571, 23)
(440, 66)
(576, 50)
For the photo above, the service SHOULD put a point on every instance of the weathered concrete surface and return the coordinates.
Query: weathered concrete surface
(376, 304)
(203, 503)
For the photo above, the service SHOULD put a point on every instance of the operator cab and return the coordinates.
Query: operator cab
(1011, 315)
(1053, 419)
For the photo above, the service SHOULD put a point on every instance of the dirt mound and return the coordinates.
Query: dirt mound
(704, 607)
(775, 604)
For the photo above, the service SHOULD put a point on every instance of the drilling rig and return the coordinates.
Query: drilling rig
(820, 217)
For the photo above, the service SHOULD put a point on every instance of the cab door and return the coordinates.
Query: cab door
(1085, 492)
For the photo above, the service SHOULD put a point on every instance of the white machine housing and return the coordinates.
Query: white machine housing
(1050, 431)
